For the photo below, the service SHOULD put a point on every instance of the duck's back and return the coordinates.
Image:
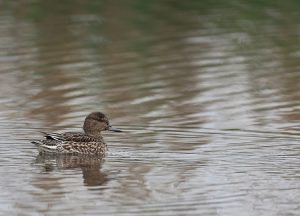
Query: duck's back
(73, 137)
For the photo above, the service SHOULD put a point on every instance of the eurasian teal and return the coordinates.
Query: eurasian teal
(89, 142)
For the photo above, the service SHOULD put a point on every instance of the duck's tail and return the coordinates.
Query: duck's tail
(37, 142)
(44, 147)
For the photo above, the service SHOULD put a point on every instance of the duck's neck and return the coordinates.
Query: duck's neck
(92, 133)
(91, 129)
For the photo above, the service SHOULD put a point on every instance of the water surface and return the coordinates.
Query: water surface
(207, 95)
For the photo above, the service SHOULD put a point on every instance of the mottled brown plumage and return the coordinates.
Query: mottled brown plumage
(89, 142)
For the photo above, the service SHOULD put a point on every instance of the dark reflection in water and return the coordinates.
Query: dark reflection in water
(90, 166)
(207, 93)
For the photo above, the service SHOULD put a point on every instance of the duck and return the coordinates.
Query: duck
(88, 142)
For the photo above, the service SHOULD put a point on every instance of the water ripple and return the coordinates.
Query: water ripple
(207, 96)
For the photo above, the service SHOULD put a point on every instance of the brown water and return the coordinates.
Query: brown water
(207, 93)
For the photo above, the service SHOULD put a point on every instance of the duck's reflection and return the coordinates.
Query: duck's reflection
(90, 166)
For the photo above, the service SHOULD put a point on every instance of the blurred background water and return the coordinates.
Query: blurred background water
(207, 93)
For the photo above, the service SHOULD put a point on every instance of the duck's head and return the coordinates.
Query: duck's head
(96, 122)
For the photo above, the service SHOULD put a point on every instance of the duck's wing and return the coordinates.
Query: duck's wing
(51, 145)
(53, 136)
(70, 136)
(70, 147)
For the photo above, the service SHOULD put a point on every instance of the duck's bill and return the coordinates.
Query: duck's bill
(114, 129)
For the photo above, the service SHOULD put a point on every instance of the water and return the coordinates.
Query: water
(207, 94)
